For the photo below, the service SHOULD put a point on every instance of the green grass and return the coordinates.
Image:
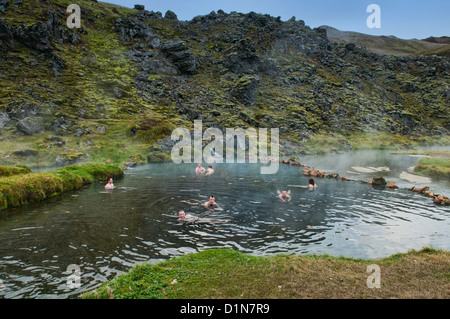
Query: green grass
(228, 274)
(13, 170)
(19, 190)
(434, 167)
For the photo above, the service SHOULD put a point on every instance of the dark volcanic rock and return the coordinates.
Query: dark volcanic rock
(4, 5)
(69, 159)
(28, 126)
(245, 89)
(35, 36)
(60, 125)
(243, 59)
(4, 119)
(6, 37)
(24, 110)
(180, 55)
(132, 30)
(170, 15)
(25, 153)
(58, 65)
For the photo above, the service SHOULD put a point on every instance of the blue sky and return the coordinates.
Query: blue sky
(405, 19)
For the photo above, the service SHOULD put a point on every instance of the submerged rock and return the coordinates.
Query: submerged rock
(415, 178)
(392, 185)
(380, 181)
(422, 190)
(441, 200)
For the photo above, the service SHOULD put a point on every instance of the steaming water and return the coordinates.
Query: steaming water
(105, 233)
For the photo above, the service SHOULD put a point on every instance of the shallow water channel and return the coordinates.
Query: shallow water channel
(106, 232)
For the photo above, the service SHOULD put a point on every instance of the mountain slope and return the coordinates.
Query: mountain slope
(442, 51)
(384, 44)
(117, 87)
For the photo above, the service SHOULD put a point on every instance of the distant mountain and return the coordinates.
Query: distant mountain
(386, 44)
(445, 40)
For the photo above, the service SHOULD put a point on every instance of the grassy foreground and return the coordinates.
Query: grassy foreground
(24, 188)
(228, 274)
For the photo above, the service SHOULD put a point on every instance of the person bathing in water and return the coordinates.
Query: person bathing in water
(312, 185)
(211, 203)
(183, 217)
(284, 196)
(188, 218)
(209, 171)
(199, 169)
(109, 184)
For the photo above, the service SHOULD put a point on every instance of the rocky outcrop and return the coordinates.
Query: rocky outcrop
(4, 119)
(59, 126)
(69, 158)
(133, 31)
(41, 36)
(6, 37)
(22, 111)
(243, 59)
(170, 15)
(29, 126)
(245, 89)
(180, 55)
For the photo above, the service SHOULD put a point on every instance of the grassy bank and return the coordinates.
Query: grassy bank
(13, 170)
(434, 167)
(22, 189)
(227, 274)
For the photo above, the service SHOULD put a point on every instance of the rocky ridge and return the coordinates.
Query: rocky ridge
(125, 66)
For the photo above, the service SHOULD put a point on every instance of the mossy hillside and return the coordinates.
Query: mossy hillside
(19, 190)
(84, 93)
(331, 89)
(228, 274)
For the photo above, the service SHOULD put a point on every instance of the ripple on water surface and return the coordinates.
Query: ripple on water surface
(105, 233)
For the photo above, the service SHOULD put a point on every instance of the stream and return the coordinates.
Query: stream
(104, 233)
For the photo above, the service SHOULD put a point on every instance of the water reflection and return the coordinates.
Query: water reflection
(105, 233)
